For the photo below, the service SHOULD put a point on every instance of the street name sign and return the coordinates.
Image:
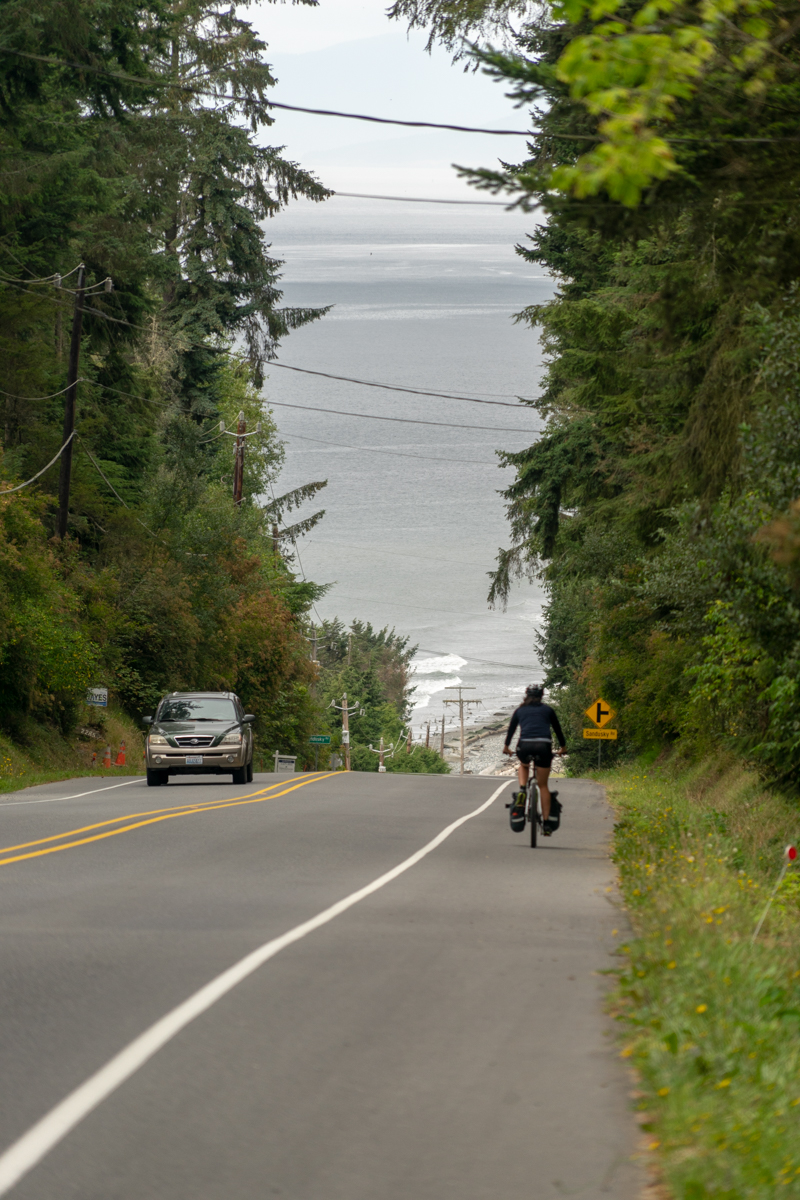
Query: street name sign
(320, 739)
(600, 712)
(606, 735)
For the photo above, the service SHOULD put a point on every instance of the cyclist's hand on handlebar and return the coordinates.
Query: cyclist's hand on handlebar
(562, 750)
(506, 750)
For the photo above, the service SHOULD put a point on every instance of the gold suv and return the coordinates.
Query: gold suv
(199, 733)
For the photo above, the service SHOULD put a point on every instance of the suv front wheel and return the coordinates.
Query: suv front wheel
(156, 778)
(239, 775)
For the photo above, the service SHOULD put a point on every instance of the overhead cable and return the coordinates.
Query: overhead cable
(396, 604)
(124, 505)
(565, 135)
(55, 277)
(20, 486)
(350, 116)
(50, 397)
(401, 420)
(297, 552)
(478, 462)
(395, 387)
(392, 553)
(422, 199)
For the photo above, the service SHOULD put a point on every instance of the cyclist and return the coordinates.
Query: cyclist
(536, 722)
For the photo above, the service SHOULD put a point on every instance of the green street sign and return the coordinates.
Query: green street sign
(320, 739)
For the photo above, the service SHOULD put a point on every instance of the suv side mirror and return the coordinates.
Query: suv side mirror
(147, 720)
(248, 719)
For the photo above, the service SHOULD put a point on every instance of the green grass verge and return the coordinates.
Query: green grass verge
(711, 1021)
(41, 755)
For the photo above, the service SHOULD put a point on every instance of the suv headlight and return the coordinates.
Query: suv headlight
(156, 739)
(231, 739)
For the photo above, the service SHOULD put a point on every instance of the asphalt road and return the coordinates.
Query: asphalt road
(442, 1038)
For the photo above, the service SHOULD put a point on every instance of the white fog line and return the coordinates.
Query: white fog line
(32, 1147)
(54, 799)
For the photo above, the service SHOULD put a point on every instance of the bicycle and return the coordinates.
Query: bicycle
(533, 810)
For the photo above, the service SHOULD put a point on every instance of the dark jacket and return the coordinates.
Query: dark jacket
(534, 722)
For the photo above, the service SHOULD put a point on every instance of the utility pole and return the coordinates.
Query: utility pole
(428, 735)
(314, 639)
(384, 752)
(238, 460)
(59, 324)
(241, 436)
(345, 710)
(65, 474)
(441, 743)
(461, 702)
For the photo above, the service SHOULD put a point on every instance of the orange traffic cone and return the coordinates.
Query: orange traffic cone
(121, 756)
(107, 757)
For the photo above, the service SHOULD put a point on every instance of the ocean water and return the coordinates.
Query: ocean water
(423, 297)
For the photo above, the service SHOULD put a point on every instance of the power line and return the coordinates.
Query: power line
(251, 101)
(424, 199)
(460, 562)
(306, 371)
(297, 552)
(400, 420)
(146, 529)
(20, 486)
(401, 387)
(421, 607)
(478, 462)
(133, 395)
(350, 116)
(395, 387)
(51, 397)
(151, 82)
(55, 278)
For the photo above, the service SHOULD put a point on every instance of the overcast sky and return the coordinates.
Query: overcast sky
(346, 54)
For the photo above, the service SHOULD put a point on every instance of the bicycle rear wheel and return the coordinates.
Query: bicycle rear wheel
(533, 809)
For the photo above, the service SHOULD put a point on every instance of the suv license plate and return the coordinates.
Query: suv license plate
(194, 760)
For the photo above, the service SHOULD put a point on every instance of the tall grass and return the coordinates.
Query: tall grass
(711, 1019)
(40, 754)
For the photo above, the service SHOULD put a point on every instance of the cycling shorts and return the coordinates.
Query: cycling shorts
(539, 752)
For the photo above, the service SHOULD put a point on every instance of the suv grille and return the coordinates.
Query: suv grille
(192, 740)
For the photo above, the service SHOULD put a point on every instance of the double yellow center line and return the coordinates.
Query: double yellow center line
(139, 820)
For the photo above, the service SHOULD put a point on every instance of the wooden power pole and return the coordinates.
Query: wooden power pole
(238, 460)
(345, 709)
(461, 702)
(65, 475)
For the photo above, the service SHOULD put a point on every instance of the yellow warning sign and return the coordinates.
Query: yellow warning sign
(607, 735)
(600, 713)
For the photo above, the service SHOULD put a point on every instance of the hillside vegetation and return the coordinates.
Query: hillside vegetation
(132, 142)
(660, 507)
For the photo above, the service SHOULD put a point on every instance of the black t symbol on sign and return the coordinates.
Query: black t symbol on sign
(601, 712)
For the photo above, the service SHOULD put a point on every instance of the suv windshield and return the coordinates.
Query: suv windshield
(184, 708)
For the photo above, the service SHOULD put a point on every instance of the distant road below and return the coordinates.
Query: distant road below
(430, 1029)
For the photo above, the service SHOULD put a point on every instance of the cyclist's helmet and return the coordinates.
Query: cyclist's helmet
(534, 691)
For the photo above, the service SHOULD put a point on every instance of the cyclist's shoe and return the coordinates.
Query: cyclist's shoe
(546, 830)
(516, 817)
